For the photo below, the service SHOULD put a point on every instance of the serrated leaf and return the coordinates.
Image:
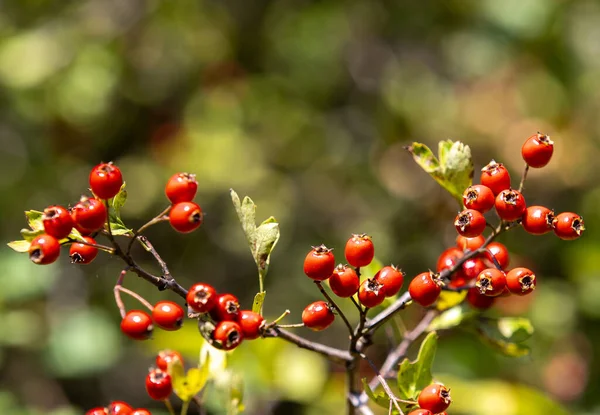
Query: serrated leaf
(257, 304)
(449, 299)
(19, 246)
(187, 385)
(414, 376)
(29, 235)
(34, 219)
(119, 200)
(452, 318)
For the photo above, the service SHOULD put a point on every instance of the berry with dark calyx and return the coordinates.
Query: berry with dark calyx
(251, 324)
(201, 298)
(57, 222)
(82, 253)
(391, 278)
(537, 150)
(119, 408)
(44, 249)
(141, 411)
(317, 316)
(165, 357)
(425, 288)
(470, 244)
(498, 251)
(181, 187)
(421, 412)
(168, 315)
(89, 214)
(510, 205)
(227, 308)
(137, 325)
(371, 293)
(568, 226)
(479, 197)
(470, 223)
(319, 263)
(520, 281)
(491, 282)
(496, 177)
(435, 397)
(228, 334)
(106, 180)
(538, 220)
(185, 217)
(344, 281)
(159, 385)
(359, 250)
(97, 411)
(478, 300)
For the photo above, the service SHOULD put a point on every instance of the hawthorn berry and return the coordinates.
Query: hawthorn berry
(472, 267)
(97, 411)
(520, 281)
(371, 293)
(228, 334)
(344, 281)
(448, 258)
(119, 408)
(435, 397)
(81, 230)
(496, 177)
(537, 150)
(425, 288)
(251, 324)
(421, 412)
(137, 325)
(478, 300)
(491, 282)
(478, 197)
(106, 180)
(538, 220)
(82, 253)
(168, 315)
(568, 225)
(181, 187)
(470, 244)
(359, 250)
(317, 316)
(201, 297)
(470, 223)
(319, 263)
(159, 385)
(89, 215)
(498, 251)
(44, 249)
(57, 221)
(226, 308)
(185, 217)
(141, 411)
(510, 205)
(165, 357)
(391, 278)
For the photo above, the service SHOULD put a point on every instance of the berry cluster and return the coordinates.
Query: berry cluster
(118, 408)
(139, 325)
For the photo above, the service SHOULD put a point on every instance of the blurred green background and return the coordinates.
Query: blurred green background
(305, 106)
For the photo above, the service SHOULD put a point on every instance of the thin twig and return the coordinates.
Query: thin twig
(169, 406)
(384, 384)
(158, 218)
(523, 178)
(161, 263)
(334, 305)
(97, 246)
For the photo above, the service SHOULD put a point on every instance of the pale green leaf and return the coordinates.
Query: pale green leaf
(246, 211)
(515, 329)
(119, 200)
(29, 235)
(452, 318)
(414, 376)
(19, 246)
(380, 398)
(504, 347)
(257, 304)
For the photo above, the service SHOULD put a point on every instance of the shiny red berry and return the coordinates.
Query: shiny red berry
(181, 187)
(137, 325)
(537, 150)
(319, 263)
(89, 215)
(141, 411)
(478, 197)
(538, 220)
(371, 293)
(44, 249)
(317, 316)
(472, 267)
(106, 180)
(82, 253)
(344, 281)
(496, 177)
(251, 324)
(391, 278)
(168, 315)
(57, 221)
(470, 223)
(568, 226)
(227, 308)
(435, 397)
(421, 412)
(186, 217)
(498, 251)
(359, 250)
(510, 205)
(201, 297)
(158, 385)
(478, 300)
(520, 281)
(470, 244)
(119, 408)
(491, 282)
(97, 411)
(228, 334)
(82, 231)
(425, 288)
(448, 258)
(165, 357)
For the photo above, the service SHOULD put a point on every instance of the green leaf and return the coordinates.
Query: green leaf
(257, 304)
(29, 235)
(187, 385)
(117, 226)
(246, 213)
(414, 376)
(19, 246)
(119, 200)
(506, 348)
(34, 219)
(452, 318)
(380, 398)
(75, 234)
(515, 329)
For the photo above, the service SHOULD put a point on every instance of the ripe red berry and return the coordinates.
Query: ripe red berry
(425, 288)
(251, 324)
(89, 215)
(227, 308)
(538, 220)
(319, 263)
(344, 281)
(158, 385)
(391, 278)
(181, 187)
(141, 411)
(499, 252)
(496, 177)
(421, 412)
(57, 221)
(82, 253)
(185, 217)
(168, 315)
(119, 408)
(472, 267)
(137, 325)
(106, 180)
(510, 205)
(371, 293)
(359, 250)
(435, 397)
(491, 282)
(520, 281)
(82, 231)
(165, 357)
(228, 334)
(537, 150)
(44, 249)
(201, 297)
(478, 300)
(449, 258)
(568, 226)
(317, 316)
(470, 244)
(478, 197)
(470, 223)
(97, 411)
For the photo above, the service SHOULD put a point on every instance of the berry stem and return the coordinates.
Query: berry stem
(119, 289)
(523, 178)
(97, 246)
(291, 326)
(166, 274)
(184, 407)
(334, 305)
(162, 216)
(169, 407)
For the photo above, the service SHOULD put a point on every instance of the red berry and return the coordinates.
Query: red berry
(510, 205)
(137, 325)
(119, 408)
(165, 357)
(97, 411)
(421, 412)
(82, 253)
(185, 217)
(168, 315)
(228, 334)
(251, 324)
(470, 223)
(537, 150)
(89, 215)
(359, 250)
(491, 282)
(472, 267)
(435, 397)
(44, 249)
(181, 187)
(317, 316)
(496, 177)
(227, 308)
(57, 221)
(391, 278)
(520, 281)
(371, 293)
(319, 263)
(201, 298)
(538, 220)
(82, 231)
(478, 197)
(478, 300)
(141, 411)
(449, 258)
(158, 385)
(425, 288)
(499, 252)
(470, 244)
(568, 226)
(344, 281)
(106, 180)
